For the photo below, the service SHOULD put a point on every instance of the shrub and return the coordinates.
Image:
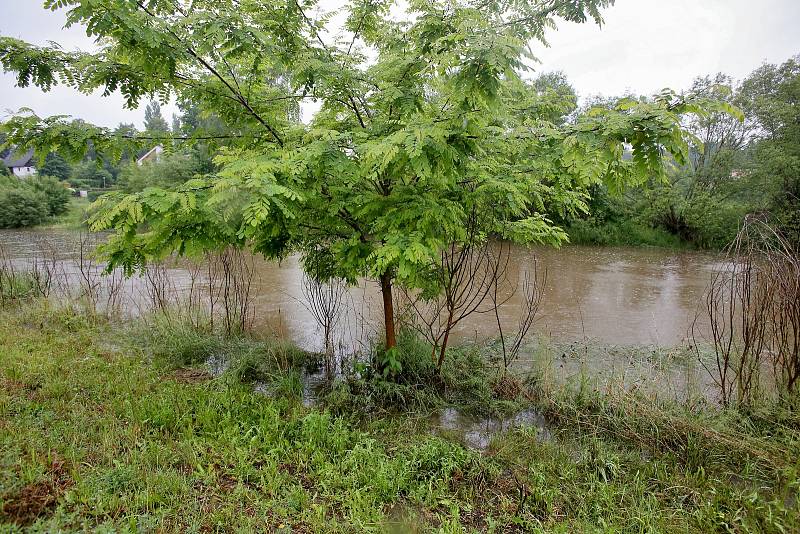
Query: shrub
(21, 207)
(56, 194)
(170, 171)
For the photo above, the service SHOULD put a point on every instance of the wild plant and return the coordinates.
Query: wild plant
(325, 301)
(753, 310)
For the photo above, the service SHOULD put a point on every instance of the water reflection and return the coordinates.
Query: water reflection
(478, 432)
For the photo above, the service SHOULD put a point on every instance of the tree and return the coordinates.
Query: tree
(153, 120)
(771, 95)
(56, 166)
(90, 174)
(172, 170)
(425, 117)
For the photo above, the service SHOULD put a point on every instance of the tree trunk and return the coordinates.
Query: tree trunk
(388, 310)
(446, 337)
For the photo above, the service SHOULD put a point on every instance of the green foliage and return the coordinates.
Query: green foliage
(438, 125)
(56, 194)
(772, 93)
(56, 166)
(21, 205)
(90, 174)
(408, 380)
(170, 171)
(740, 163)
(17, 286)
(623, 233)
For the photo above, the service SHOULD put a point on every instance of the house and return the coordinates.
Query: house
(21, 166)
(152, 155)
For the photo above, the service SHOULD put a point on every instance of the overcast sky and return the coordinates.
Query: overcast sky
(644, 46)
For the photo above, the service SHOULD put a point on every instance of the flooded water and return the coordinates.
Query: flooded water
(610, 295)
(477, 432)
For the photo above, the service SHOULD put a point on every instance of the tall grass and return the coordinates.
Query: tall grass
(624, 233)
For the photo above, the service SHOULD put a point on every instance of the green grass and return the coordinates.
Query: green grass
(73, 218)
(104, 428)
(623, 233)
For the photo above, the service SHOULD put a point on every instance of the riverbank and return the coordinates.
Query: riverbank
(626, 233)
(73, 219)
(102, 426)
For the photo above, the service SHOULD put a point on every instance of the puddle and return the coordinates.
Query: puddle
(217, 364)
(477, 432)
(312, 386)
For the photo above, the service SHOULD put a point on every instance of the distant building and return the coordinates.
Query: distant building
(21, 166)
(152, 155)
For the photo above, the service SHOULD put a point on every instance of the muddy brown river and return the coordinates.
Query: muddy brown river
(611, 295)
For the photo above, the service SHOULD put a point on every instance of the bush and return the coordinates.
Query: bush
(623, 233)
(713, 221)
(56, 194)
(170, 171)
(22, 207)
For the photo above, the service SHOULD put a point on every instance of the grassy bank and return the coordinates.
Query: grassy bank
(623, 233)
(114, 428)
(75, 216)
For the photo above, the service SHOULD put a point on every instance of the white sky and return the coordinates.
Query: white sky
(644, 46)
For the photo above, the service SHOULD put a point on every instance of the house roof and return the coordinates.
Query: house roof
(155, 150)
(12, 160)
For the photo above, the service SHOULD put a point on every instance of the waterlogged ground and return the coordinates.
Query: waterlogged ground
(97, 435)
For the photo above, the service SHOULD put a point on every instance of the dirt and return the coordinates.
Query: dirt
(37, 499)
(15, 387)
(190, 375)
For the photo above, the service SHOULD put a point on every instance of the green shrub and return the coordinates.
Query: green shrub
(56, 194)
(621, 233)
(172, 170)
(713, 222)
(22, 207)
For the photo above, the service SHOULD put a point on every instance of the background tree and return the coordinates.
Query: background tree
(171, 171)
(89, 175)
(771, 95)
(56, 166)
(154, 121)
(425, 116)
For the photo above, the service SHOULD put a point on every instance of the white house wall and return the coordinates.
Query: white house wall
(23, 172)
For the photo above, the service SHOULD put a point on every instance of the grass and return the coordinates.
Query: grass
(106, 428)
(623, 233)
(73, 218)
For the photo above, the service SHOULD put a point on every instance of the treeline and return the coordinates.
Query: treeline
(737, 168)
(32, 200)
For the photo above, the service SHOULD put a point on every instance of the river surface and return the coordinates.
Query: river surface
(610, 295)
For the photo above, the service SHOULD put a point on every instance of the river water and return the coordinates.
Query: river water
(609, 295)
